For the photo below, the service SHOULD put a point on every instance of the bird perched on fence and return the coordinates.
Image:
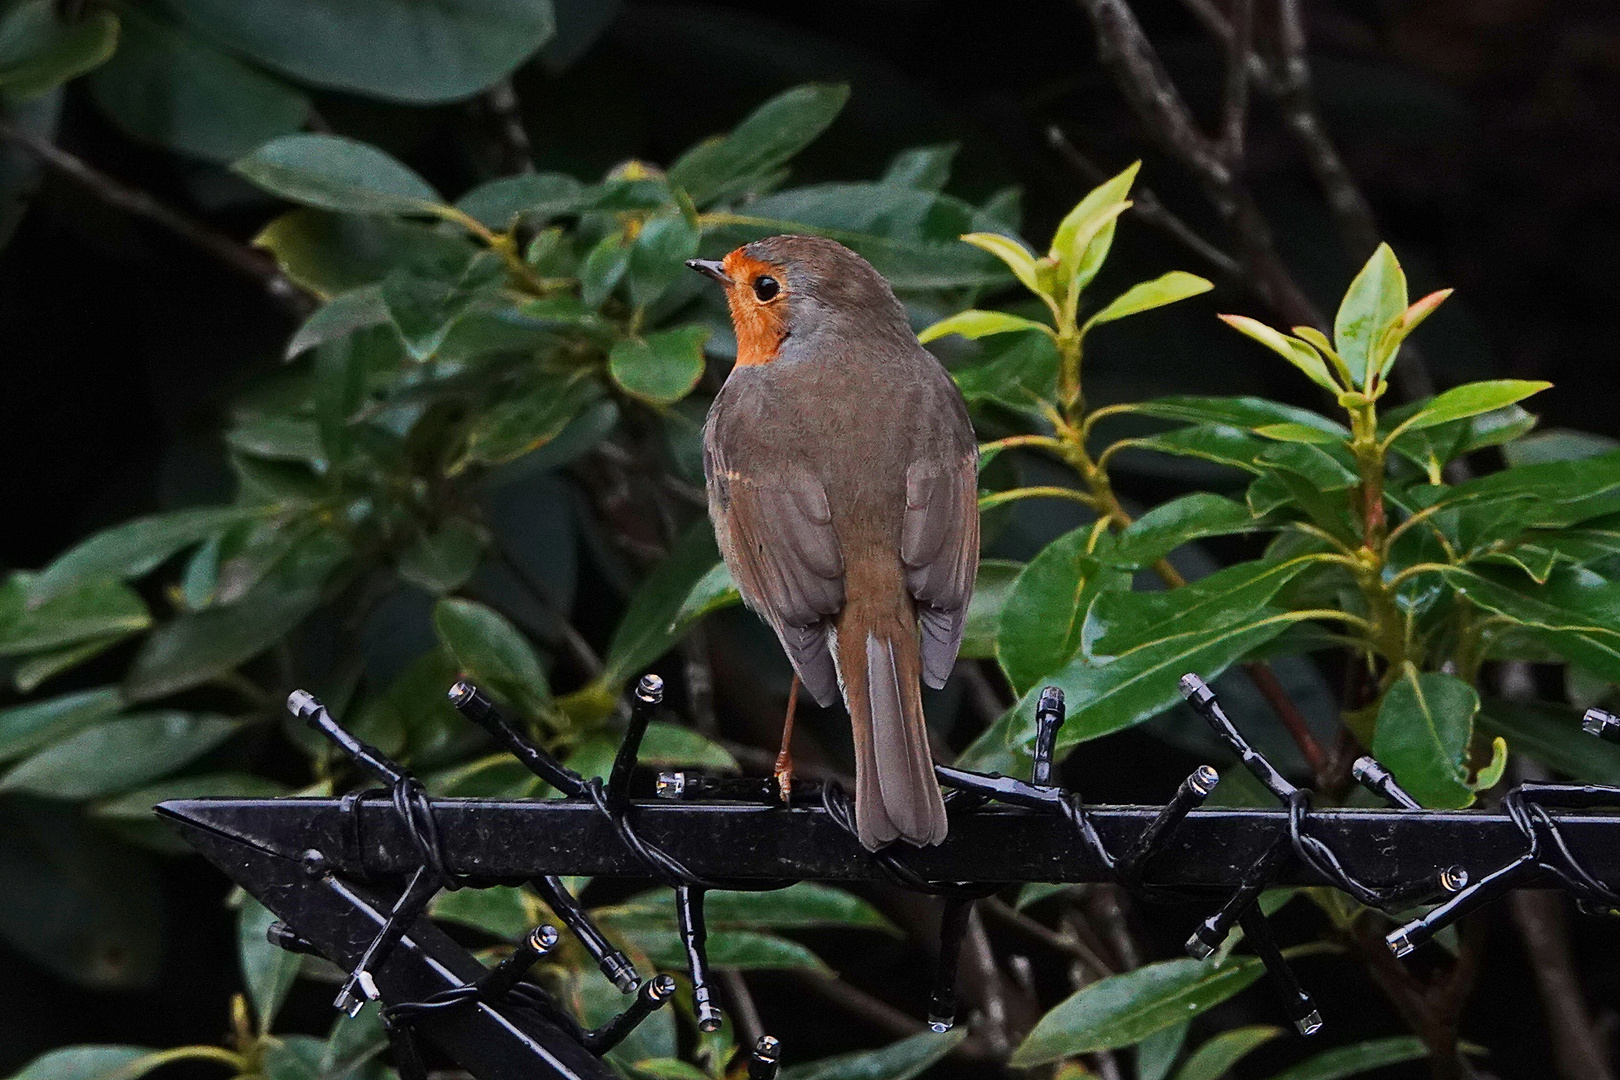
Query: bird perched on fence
(842, 477)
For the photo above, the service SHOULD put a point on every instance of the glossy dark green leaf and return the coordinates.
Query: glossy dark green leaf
(1163, 290)
(1156, 1055)
(712, 592)
(1217, 443)
(741, 949)
(502, 911)
(1374, 302)
(91, 1063)
(494, 654)
(330, 172)
(520, 423)
(1425, 724)
(925, 168)
(903, 1060)
(664, 744)
(660, 368)
(26, 727)
(1575, 614)
(1358, 1058)
(806, 904)
(770, 135)
(1214, 1059)
(417, 51)
(426, 304)
(974, 324)
(1046, 607)
(118, 755)
(36, 668)
(330, 254)
(135, 548)
(1557, 493)
(39, 51)
(1472, 399)
(1123, 1009)
(293, 1057)
(1166, 527)
(533, 197)
(443, 560)
(1558, 444)
(169, 87)
(603, 269)
(1238, 412)
(343, 315)
(1124, 621)
(267, 970)
(278, 437)
(1019, 370)
(94, 609)
(1552, 735)
(658, 257)
(353, 1042)
(990, 593)
(643, 635)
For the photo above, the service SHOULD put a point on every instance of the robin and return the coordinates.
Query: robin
(843, 482)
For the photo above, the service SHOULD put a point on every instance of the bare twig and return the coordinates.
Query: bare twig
(992, 990)
(239, 257)
(699, 681)
(1063, 943)
(1271, 688)
(516, 152)
(1235, 110)
(1108, 904)
(1578, 1052)
(878, 1013)
(744, 1013)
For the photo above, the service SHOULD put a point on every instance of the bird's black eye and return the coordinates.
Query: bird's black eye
(766, 288)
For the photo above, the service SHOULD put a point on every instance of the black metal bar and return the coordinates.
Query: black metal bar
(510, 971)
(1188, 797)
(476, 706)
(953, 925)
(1049, 712)
(1215, 848)
(1381, 782)
(648, 695)
(694, 935)
(614, 964)
(1296, 1002)
(1003, 788)
(1570, 796)
(652, 996)
(766, 1059)
(1203, 701)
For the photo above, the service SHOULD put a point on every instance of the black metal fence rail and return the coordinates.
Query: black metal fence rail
(351, 878)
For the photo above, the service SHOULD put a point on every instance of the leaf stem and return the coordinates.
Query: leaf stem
(1000, 498)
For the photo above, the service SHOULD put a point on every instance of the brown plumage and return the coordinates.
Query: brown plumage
(842, 476)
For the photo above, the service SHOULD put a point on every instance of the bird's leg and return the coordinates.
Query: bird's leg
(784, 759)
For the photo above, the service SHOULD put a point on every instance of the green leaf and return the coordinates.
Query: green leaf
(330, 253)
(764, 141)
(533, 197)
(1011, 252)
(1552, 735)
(267, 970)
(1121, 622)
(1358, 1058)
(661, 368)
(1156, 1055)
(1424, 728)
(1123, 1009)
(38, 52)
(1046, 607)
(92, 1063)
(1020, 371)
(38, 667)
(202, 645)
(806, 904)
(1576, 613)
(353, 1042)
(443, 560)
(25, 728)
(1238, 412)
(330, 172)
(1301, 354)
(1470, 399)
(1216, 443)
(1216, 1057)
(990, 592)
(1166, 527)
(1162, 290)
(644, 634)
(426, 303)
(503, 911)
(95, 609)
(493, 654)
(603, 269)
(136, 806)
(712, 592)
(168, 87)
(667, 1069)
(1297, 433)
(135, 548)
(658, 257)
(978, 324)
(414, 51)
(1070, 256)
(1558, 444)
(898, 1061)
(522, 422)
(672, 744)
(118, 755)
(744, 950)
(926, 168)
(1375, 301)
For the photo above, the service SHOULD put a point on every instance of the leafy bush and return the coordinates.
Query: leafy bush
(457, 419)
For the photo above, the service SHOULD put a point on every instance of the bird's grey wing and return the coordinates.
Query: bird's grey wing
(778, 540)
(939, 538)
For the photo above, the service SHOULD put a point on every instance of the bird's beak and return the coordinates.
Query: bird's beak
(712, 267)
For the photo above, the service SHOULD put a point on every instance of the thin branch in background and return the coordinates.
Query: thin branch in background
(997, 1025)
(700, 681)
(1145, 205)
(569, 639)
(877, 1013)
(744, 1013)
(1062, 943)
(517, 154)
(1271, 688)
(1235, 105)
(239, 257)
(981, 691)
(1108, 904)
(1543, 925)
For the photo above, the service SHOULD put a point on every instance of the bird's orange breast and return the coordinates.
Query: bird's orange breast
(760, 328)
